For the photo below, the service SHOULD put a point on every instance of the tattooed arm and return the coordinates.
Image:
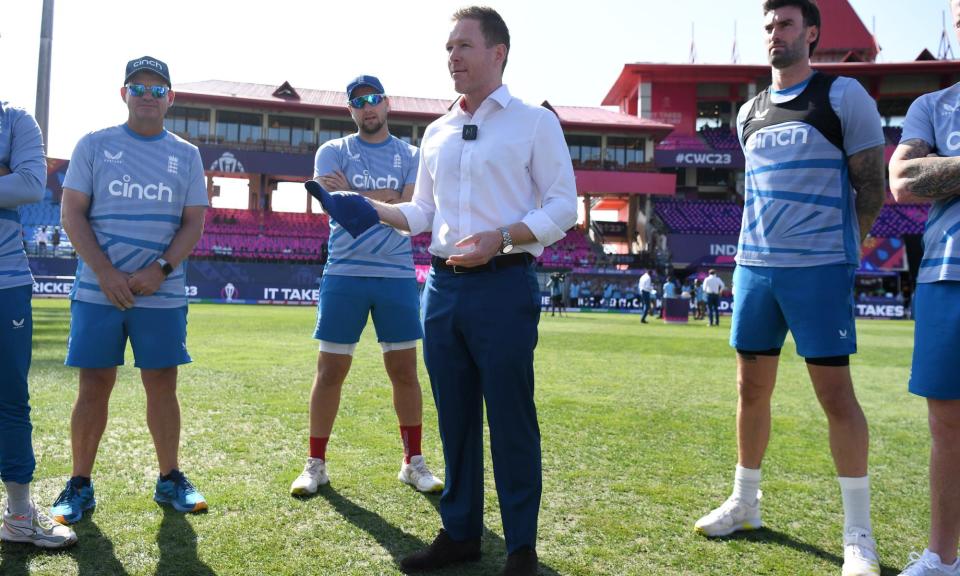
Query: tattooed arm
(915, 176)
(867, 178)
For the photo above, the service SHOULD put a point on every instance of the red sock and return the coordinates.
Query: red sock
(318, 447)
(411, 441)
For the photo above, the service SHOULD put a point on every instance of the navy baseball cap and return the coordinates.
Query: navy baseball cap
(364, 80)
(148, 64)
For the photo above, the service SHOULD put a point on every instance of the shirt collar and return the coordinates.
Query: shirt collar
(501, 96)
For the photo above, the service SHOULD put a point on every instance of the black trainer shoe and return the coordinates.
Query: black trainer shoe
(523, 562)
(444, 551)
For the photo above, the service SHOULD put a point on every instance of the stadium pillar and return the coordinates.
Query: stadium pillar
(632, 206)
(586, 211)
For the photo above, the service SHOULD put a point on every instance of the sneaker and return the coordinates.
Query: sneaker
(928, 564)
(444, 551)
(180, 493)
(860, 554)
(419, 476)
(314, 476)
(731, 516)
(36, 528)
(72, 503)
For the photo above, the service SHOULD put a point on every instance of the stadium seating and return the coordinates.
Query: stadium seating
(721, 139)
(717, 217)
(683, 142)
(893, 134)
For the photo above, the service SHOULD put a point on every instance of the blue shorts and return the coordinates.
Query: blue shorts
(98, 336)
(815, 304)
(346, 301)
(936, 340)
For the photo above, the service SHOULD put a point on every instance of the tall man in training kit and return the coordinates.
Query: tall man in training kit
(814, 185)
(372, 274)
(133, 203)
(23, 174)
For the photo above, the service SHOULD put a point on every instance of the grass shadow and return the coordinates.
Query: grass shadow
(177, 542)
(93, 553)
(767, 536)
(394, 540)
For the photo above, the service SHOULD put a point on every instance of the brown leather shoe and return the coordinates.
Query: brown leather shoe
(522, 562)
(444, 551)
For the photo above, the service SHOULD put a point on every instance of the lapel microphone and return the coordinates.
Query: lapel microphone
(470, 132)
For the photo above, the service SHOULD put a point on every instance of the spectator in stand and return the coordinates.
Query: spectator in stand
(712, 287)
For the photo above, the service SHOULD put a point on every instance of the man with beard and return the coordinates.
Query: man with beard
(814, 185)
(371, 274)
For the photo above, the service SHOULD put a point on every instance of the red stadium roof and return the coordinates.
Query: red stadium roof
(842, 32)
(248, 95)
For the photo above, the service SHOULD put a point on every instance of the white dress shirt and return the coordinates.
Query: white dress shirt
(518, 169)
(712, 285)
(645, 284)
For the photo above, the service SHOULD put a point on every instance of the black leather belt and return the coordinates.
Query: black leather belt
(496, 263)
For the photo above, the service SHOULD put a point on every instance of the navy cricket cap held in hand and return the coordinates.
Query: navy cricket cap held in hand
(349, 209)
(365, 80)
(147, 64)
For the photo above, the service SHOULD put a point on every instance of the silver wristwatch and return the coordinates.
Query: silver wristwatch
(506, 241)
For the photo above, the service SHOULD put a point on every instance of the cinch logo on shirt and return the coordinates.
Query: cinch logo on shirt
(776, 138)
(367, 182)
(953, 141)
(128, 189)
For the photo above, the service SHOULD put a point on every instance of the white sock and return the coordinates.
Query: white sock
(856, 503)
(746, 484)
(18, 498)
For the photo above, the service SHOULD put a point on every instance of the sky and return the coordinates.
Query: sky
(567, 53)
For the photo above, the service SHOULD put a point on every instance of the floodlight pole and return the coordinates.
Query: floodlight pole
(42, 112)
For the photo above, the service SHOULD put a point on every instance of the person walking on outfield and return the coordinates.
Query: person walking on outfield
(814, 186)
(645, 287)
(712, 287)
(496, 186)
(372, 274)
(134, 197)
(925, 168)
(23, 174)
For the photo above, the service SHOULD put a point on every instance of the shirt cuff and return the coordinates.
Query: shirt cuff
(416, 221)
(545, 230)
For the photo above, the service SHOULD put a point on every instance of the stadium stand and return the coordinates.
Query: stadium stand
(721, 139)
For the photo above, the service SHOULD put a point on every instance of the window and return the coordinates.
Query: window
(290, 130)
(403, 132)
(188, 122)
(584, 150)
(239, 127)
(624, 153)
(713, 114)
(331, 129)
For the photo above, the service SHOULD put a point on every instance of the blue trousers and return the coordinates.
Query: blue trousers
(713, 309)
(480, 330)
(16, 337)
(645, 301)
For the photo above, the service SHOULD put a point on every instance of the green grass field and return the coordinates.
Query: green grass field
(638, 442)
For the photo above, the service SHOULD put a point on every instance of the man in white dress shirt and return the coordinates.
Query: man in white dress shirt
(495, 186)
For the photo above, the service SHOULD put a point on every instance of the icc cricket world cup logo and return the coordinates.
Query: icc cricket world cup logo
(229, 292)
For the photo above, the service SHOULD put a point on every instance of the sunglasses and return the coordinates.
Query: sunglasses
(371, 99)
(139, 90)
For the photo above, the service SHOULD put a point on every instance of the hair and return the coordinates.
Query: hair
(492, 26)
(809, 8)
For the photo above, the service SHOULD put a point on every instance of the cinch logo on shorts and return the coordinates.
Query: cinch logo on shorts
(128, 189)
(776, 138)
(367, 182)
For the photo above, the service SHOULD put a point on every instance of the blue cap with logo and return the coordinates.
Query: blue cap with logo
(147, 64)
(364, 80)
